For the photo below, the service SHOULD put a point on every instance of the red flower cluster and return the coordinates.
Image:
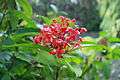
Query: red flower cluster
(59, 36)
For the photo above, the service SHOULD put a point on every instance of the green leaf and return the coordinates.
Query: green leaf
(46, 20)
(29, 22)
(47, 72)
(22, 37)
(72, 58)
(71, 24)
(114, 54)
(104, 67)
(44, 57)
(13, 20)
(25, 57)
(88, 42)
(27, 45)
(102, 33)
(106, 70)
(97, 47)
(54, 8)
(5, 56)
(18, 68)
(8, 41)
(76, 69)
(6, 77)
(113, 39)
(63, 13)
(26, 7)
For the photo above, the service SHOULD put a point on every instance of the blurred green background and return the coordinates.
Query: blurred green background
(95, 15)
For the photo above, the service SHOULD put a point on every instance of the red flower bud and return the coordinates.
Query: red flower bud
(73, 20)
(37, 39)
(60, 51)
(77, 45)
(54, 21)
(82, 30)
(53, 52)
(62, 17)
(59, 56)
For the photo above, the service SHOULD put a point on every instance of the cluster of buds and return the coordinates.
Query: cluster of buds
(59, 36)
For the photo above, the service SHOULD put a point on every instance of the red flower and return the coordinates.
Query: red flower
(71, 38)
(58, 35)
(80, 39)
(54, 21)
(59, 56)
(62, 18)
(37, 39)
(60, 52)
(73, 20)
(53, 52)
(82, 30)
(77, 45)
(57, 43)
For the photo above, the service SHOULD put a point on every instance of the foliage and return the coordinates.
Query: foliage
(109, 11)
(21, 59)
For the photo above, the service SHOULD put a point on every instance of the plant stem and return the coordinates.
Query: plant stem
(58, 72)
(86, 69)
(2, 18)
(87, 66)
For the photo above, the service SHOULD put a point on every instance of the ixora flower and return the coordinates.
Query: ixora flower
(59, 36)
